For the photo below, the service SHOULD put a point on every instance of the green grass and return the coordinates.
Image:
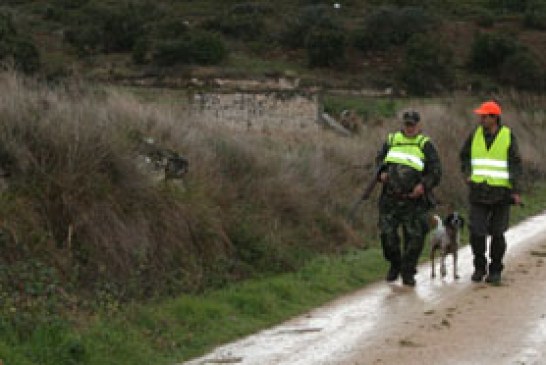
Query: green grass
(366, 108)
(178, 329)
(248, 65)
(185, 327)
(533, 203)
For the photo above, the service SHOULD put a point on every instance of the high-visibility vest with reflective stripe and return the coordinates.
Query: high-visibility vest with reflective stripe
(406, 151)
(491, 165)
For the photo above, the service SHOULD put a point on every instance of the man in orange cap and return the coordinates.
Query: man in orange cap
(491, 163)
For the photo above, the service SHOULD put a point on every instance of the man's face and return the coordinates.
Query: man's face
(487, 121)
(411, 129)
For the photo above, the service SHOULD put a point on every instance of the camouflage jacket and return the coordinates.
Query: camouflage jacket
(403, 179)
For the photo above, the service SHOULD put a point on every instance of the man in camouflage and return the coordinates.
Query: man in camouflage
(410, 169)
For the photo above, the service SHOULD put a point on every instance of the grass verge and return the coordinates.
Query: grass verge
(175, 330)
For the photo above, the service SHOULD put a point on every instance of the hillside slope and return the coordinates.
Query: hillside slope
(356, 44)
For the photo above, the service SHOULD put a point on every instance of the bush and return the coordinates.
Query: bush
(509, 5)
(522, 71)
(309, 19)
(489, 52)
(242, 21)
(21, 50)
(428, 66)
(535, 19)
(7, 28)
(325, 47)
(240, 26)
(485, 18)
(388, 26)
(108, 28)
(25, 55)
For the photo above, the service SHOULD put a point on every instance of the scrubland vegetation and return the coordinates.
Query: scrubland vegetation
(414, 47)
(90, 239)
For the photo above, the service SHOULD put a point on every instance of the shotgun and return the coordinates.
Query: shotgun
(366, 194)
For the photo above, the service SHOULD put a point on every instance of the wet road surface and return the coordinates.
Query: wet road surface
(440, 321)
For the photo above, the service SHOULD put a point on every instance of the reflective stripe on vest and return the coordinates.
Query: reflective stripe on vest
(406, 151)
(491, 166)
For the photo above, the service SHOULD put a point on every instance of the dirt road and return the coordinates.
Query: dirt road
(440, 321)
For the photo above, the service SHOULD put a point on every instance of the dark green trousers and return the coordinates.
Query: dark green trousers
(403, 226)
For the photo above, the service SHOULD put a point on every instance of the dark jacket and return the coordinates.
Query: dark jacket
(430, 176)
(483, 193)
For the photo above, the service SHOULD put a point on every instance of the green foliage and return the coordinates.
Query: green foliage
(7, 28)
(485, 18)
(325, 47)
(29, 297)
(15, 47)
(506, 60)
(243, 21)
(309, 19)
(197, 47)
(509, 5)
(140, 51)
(104, 28)
(535, 16)
(489, 51)
(523, 71)
(388, 26)
(428, 66)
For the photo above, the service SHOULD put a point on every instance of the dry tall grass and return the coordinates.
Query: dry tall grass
(251, 203)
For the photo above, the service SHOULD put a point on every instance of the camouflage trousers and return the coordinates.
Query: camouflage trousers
(406, 219)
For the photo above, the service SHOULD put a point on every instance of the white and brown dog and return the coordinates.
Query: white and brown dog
(445, 237)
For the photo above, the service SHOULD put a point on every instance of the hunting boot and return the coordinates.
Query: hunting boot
(478, 244)
(391, 252)
(393, 272)
(498, 248)
(408, 279)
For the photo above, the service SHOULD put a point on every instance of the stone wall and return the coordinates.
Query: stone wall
(268, 111)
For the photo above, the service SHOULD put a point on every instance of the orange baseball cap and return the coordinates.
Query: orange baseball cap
(487, 108)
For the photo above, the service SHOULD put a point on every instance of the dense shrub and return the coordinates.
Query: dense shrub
(535, 18)
(509, 5)
(325, 47)
(240, 26)
(522, 71)
(485, 18)
(489, 51)
(388, 26)
(428, 66)
(99, 27)
(506, 60)
(242, 21)
(309, 18)
(18, 49)
(7, 28)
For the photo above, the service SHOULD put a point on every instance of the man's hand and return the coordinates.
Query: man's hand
(516, 198)
(383, 177)
(418, 191)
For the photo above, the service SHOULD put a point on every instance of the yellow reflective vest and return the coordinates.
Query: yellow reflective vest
(491, 165)
(406, 151)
